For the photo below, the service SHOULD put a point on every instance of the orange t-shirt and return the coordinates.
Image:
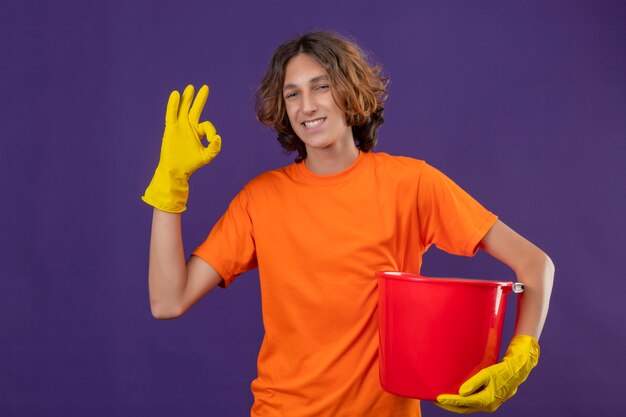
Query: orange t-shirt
(317, 241)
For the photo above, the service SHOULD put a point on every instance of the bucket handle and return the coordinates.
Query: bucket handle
(518, 287)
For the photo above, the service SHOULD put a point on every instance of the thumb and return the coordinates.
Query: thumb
(214, 148)
(215, 141)
(475, 383)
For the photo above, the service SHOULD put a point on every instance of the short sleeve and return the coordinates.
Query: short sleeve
(230, 246)
(448, 216)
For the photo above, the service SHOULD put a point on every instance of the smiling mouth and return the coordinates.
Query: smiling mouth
(313, 123)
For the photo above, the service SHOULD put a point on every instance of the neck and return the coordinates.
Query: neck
(331, 160)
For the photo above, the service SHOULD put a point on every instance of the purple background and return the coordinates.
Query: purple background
(521, 103)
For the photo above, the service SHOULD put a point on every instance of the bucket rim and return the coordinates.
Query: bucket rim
(407, 276)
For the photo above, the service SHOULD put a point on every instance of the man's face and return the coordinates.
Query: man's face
(312, 111)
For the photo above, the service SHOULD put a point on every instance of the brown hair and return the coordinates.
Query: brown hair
(358, 87)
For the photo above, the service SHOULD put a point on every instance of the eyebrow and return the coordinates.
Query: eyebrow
(311, 81)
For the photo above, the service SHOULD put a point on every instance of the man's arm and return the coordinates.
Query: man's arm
(174, 287)
(532, 267)
(490, 387)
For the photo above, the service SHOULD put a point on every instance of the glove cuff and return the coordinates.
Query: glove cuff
(523, 354)
(168, 191)
(525, 344)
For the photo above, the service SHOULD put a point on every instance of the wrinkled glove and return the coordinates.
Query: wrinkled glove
(490, 387)
(182, 151)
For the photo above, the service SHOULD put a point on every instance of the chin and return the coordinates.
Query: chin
(319, 144)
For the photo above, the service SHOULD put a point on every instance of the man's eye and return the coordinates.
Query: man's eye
(291, 95)
(323, 87)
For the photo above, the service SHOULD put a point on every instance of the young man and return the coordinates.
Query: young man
(318, 230)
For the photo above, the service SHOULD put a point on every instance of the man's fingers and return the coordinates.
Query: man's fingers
(172, 107)
(476, 400)
(450, 399)
(198, 105)
(185, 103)
(458, 410)
(206, 129)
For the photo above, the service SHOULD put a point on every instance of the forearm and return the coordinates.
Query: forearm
(532, 267)
(167, 276)
(489, 388)
(537, 275)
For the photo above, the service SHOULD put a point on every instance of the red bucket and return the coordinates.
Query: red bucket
(435, 333)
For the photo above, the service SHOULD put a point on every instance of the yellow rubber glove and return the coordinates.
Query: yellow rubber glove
(490, 387)
(182, 151)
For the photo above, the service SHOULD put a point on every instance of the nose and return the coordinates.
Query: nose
(309, 105)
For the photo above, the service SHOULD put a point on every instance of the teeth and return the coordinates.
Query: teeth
(314, 123)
